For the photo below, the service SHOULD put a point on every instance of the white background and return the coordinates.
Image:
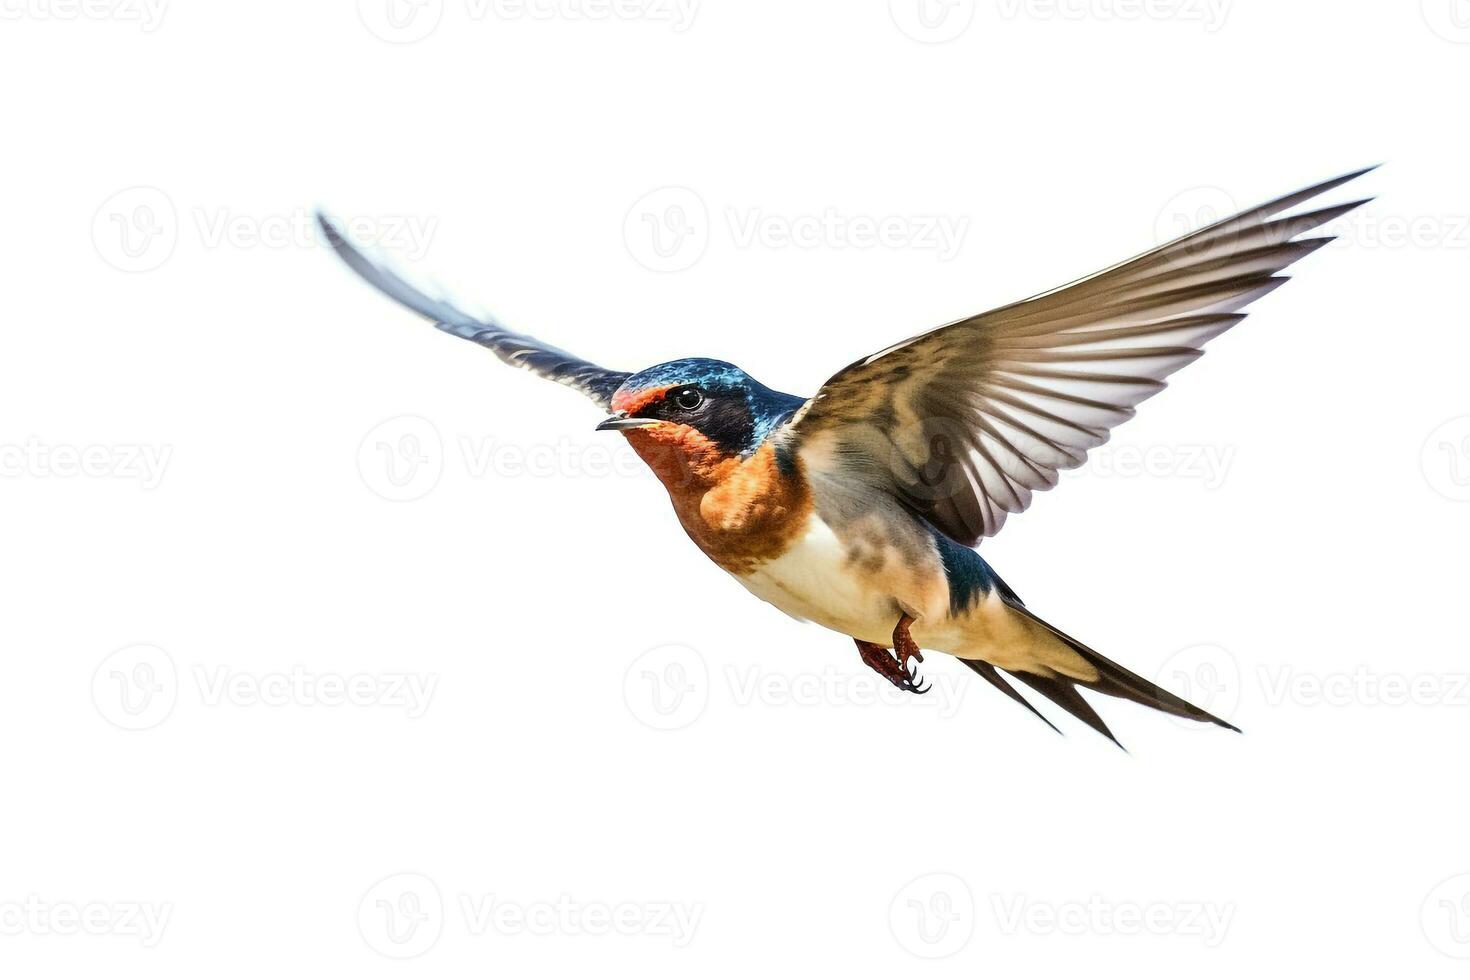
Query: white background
(610, 729)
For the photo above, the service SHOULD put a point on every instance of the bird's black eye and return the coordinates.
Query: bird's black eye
(688, 398)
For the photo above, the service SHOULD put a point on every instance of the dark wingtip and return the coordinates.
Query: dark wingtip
(334, 237)
(1328, 185)
(339, 243)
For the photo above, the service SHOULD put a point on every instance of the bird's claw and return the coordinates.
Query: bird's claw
(897, 670)
(906, 677)
(912, 681)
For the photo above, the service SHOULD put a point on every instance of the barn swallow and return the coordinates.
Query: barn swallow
(860, 508)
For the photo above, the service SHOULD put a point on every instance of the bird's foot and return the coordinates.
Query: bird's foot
(903, 644)
(900, 673)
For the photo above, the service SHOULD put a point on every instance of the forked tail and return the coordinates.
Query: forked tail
(1106, 677)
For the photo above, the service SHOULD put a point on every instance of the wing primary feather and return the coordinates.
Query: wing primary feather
(1283, 203)
(1054, 373)
(516, 349)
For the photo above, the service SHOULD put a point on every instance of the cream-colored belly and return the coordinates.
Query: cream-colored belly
(862, 591)
(858, 591)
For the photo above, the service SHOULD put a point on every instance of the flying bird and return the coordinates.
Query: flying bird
(859, 508)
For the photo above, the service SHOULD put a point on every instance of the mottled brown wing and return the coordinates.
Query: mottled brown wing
(963, 424)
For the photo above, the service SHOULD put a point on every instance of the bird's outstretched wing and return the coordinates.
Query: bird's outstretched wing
(962, 424)
(515, 349)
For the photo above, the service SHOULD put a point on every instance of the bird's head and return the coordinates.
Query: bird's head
(689, 419)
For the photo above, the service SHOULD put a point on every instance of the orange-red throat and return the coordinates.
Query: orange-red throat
(740, 511)
(704, 427)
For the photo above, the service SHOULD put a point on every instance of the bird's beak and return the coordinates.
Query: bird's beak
(622, 421)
